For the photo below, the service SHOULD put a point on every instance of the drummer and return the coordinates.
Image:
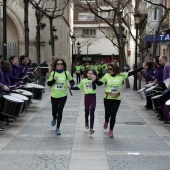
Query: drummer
(2, 87)
(14, 73)
(166, 74)
(6, 68)
(149, 77)
(23, 69)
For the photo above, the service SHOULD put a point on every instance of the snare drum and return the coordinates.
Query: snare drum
(12, 106)
(141, 92)
(156, 101)
(24, 98)
(168, 104)
(149, 85)
(36, 89)
(149, 91)
(24, 93)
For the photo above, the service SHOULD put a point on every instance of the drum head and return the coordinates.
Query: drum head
(23, 92)
(157, 96)
(149, 85)
(19, 96)
(167, 103)
(13, 99)
(37, 86)
(150, 89)
(141, 90)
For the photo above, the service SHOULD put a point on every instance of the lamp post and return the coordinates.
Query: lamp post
(78, 50)
(4, 31)
(88, 49)
(137, 18)
(55, 37)
(73, 39)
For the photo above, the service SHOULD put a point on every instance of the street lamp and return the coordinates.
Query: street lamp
(137, 18)
(78, 50)
(73, 39)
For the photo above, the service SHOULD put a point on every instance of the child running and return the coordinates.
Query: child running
(89, 87)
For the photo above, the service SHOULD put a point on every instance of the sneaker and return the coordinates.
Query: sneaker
(58, 131)
(111, 134)
(53, 122)
(1, 128)
(105, 125)
(87, 125)
(91, 131)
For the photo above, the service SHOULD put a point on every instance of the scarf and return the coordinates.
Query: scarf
(59, 71)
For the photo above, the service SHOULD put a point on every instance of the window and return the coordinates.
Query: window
(109, 14)
(89, 33)
(109, 32)
(155, 14)
(86, 17)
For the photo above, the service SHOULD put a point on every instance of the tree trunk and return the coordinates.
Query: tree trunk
(26, 3)
(52, 38)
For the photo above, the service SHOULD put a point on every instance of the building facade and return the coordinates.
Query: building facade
(15, 33)
(91, 33)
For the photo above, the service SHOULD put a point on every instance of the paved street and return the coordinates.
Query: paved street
(141, 142)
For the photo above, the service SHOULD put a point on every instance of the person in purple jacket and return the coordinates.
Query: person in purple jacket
(166, 95)
(2, 87)
(149, 77)
(159, 74)
(14, 73)
(23, 69)
(6, 68)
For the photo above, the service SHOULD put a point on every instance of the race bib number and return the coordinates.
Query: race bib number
(114, 89)
(88, 86)
(59, 86)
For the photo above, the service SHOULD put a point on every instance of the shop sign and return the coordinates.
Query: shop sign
(162, 38)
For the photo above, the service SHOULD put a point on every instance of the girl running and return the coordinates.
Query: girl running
(113, 84)
(89, 87)
(58, 82)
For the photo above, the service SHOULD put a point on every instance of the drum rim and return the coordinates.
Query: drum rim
(21, 101)
(154, 97)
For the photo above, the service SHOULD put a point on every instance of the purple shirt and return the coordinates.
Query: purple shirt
(159, 75)
(166, 73)
(23, 70)
(14, 75)
(148, 76)
(1, 80)
(6, 79)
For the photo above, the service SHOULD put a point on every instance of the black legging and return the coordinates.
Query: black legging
(57, 108)
(111, 108)
(78, 77)
(91, 112)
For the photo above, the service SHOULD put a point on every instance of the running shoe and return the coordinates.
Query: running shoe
(87, 125)
(111, 134)
(58, 131)
(1, 128)
(105, 125)
(91, 131)
(53, 122)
